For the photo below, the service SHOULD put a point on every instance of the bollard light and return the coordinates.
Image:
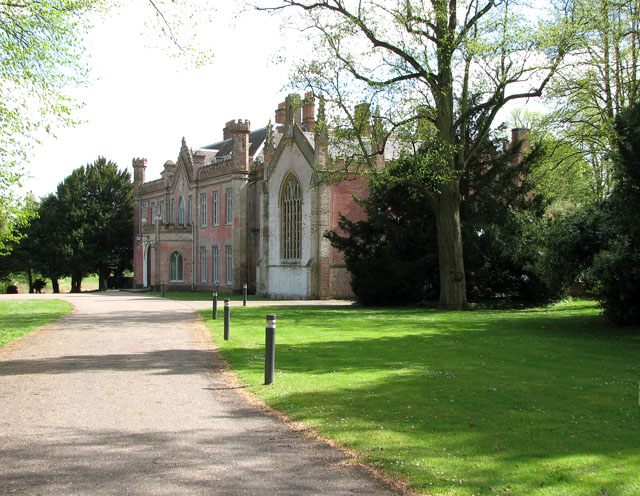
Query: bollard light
(163, 289)
(270, 349)
(226, 319)
(244, 294)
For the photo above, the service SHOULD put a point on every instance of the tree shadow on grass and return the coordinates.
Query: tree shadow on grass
(510, 399)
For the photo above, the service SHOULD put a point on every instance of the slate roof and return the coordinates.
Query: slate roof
(224, 148)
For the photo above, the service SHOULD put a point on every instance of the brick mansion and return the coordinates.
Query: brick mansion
(249, 209)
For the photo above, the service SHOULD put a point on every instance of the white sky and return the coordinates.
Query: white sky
(141, 101)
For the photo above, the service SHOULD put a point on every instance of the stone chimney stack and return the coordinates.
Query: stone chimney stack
(240, 136)
(309, 113)
(281, 113)
(226, 131)
(139, 166)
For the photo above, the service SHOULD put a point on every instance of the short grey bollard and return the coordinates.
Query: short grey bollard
(163, 289)
(244, 294)
(214, 310)
(226, 319)
(270, 350)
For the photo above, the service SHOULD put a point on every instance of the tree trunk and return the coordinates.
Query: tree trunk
(453, 292)
(55, 285)
(76, 282)
(103, 276)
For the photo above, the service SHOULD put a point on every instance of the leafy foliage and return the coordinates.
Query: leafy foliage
(600, 244)
(603, 79)
(433, 70)
(40, 58)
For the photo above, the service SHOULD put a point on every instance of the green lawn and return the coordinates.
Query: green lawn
(19, 317)
(540, 402)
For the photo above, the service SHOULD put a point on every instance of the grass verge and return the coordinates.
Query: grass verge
(19, 317)
(539, 402)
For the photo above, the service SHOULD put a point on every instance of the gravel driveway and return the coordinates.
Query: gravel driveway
(125, 396)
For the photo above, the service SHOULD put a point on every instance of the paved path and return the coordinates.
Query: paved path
(125, 396)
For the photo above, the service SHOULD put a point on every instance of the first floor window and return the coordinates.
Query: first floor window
(153, 212)
(229, 213)
(172, 211)
(215, 260)
(215, 207)
(190, 210)
(203, 263)
(229, 257)
(203, 210)
(161, 212)
(176, 264)
(181, 212)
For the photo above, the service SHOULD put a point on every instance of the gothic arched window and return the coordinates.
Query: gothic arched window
(181, 212)
(177, 263)
(291, 218)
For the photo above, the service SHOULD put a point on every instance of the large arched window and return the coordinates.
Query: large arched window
(291, 218)
(177, 263)
(181, 212)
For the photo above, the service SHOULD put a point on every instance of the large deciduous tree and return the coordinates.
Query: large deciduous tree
(438, 73)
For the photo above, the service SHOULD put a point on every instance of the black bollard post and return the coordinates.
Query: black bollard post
(214, 312)
(163, 289)
(244, 294)
(226, 319)
(270, 350)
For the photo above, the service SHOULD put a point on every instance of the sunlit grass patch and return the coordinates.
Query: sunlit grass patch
(19, 317)
(541, 401)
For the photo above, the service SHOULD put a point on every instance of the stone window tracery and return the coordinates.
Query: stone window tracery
(291, 218)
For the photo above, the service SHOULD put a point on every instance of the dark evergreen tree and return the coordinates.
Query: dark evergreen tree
(617, 266)
(393, 255)
(109, 219)
(47, 241)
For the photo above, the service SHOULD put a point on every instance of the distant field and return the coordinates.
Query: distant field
(19, 317)
(525, 402)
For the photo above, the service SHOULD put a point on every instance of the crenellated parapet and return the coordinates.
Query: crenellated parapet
(139, 166)
(238, 126)
(152, 186)
(239, 131)
(215, 170)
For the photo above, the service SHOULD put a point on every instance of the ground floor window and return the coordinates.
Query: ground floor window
(229, 257)
(203, 263)
(177, 264)
(215, 260)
